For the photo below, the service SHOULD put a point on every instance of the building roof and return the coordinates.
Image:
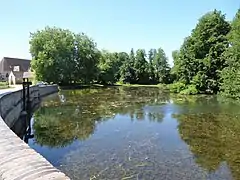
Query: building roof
(7, 64)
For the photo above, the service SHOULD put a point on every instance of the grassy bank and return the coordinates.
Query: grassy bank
(4, 85)
(145, 85)
(175, 88)
(82, 86)
(163, 86)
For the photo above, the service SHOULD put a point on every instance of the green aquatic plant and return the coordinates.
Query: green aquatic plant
(72, 115)
(213, 138)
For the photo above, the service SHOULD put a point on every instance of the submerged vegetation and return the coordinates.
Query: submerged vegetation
(139, 132)
(72, 115)
(214, 138)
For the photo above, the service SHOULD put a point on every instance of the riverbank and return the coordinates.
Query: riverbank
(83, 86)
(145, 85)
(174, 88)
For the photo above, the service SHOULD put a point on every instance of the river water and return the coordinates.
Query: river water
(139, 133)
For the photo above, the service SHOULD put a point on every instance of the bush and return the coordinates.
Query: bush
(119, 83)
(176, 87)
(190, 90)
(3, 85)
(162, 86)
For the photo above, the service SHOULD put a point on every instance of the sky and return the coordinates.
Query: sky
(115, 25)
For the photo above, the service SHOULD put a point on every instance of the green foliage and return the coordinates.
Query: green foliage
(199, 60)
(176, 87)
(179, 87)
(50, 48)
(123, 58)
(230, 86)
(109, 68)
(207, 62)
(161, 67)
(210, 136)
(151, 74)
(4, 85)
(141, 67)
(141, 70)
(86, 59)
(73, 114)
(174, 70)
(127, 71)
(61, 56)
(190, 90)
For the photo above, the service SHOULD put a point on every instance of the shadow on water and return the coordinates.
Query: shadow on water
(23, 126)
(137, 133)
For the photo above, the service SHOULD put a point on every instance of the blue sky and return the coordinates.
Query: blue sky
(116, 25)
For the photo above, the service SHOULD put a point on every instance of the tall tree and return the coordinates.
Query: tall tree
(175, 57)
(200, 58)
(86, 58)
(185, 66)
(122, 58)
(161, 67)
(176, 67)
(127, 70)
(151, 56)
(231, 74)
(109, 67)
(61, 56)
(52, 53)
(141, 67)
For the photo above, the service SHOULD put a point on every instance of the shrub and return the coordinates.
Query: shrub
(162, 86)
(176, 87)
(3, 85)
(190, 90)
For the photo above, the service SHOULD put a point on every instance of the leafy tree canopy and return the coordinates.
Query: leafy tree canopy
(199, 61)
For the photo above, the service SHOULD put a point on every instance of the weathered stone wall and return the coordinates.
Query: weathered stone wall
(49, 90)
(17, 159)
(11, 104)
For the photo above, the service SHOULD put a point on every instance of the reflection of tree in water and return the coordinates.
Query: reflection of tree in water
(197, 100)
(58, 123)
(57, 126)
(213, 138)
(158, 117)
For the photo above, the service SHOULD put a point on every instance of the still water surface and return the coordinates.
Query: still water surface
(139, 133)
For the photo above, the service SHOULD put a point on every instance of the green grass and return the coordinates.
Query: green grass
(143, 85)
(162, 86)
(4, 85)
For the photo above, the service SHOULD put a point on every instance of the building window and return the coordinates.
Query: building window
(16, 68)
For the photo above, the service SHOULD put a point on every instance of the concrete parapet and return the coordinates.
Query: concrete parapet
(17, 160)
(47, 90)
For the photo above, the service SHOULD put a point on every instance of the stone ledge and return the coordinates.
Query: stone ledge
(19, 162)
